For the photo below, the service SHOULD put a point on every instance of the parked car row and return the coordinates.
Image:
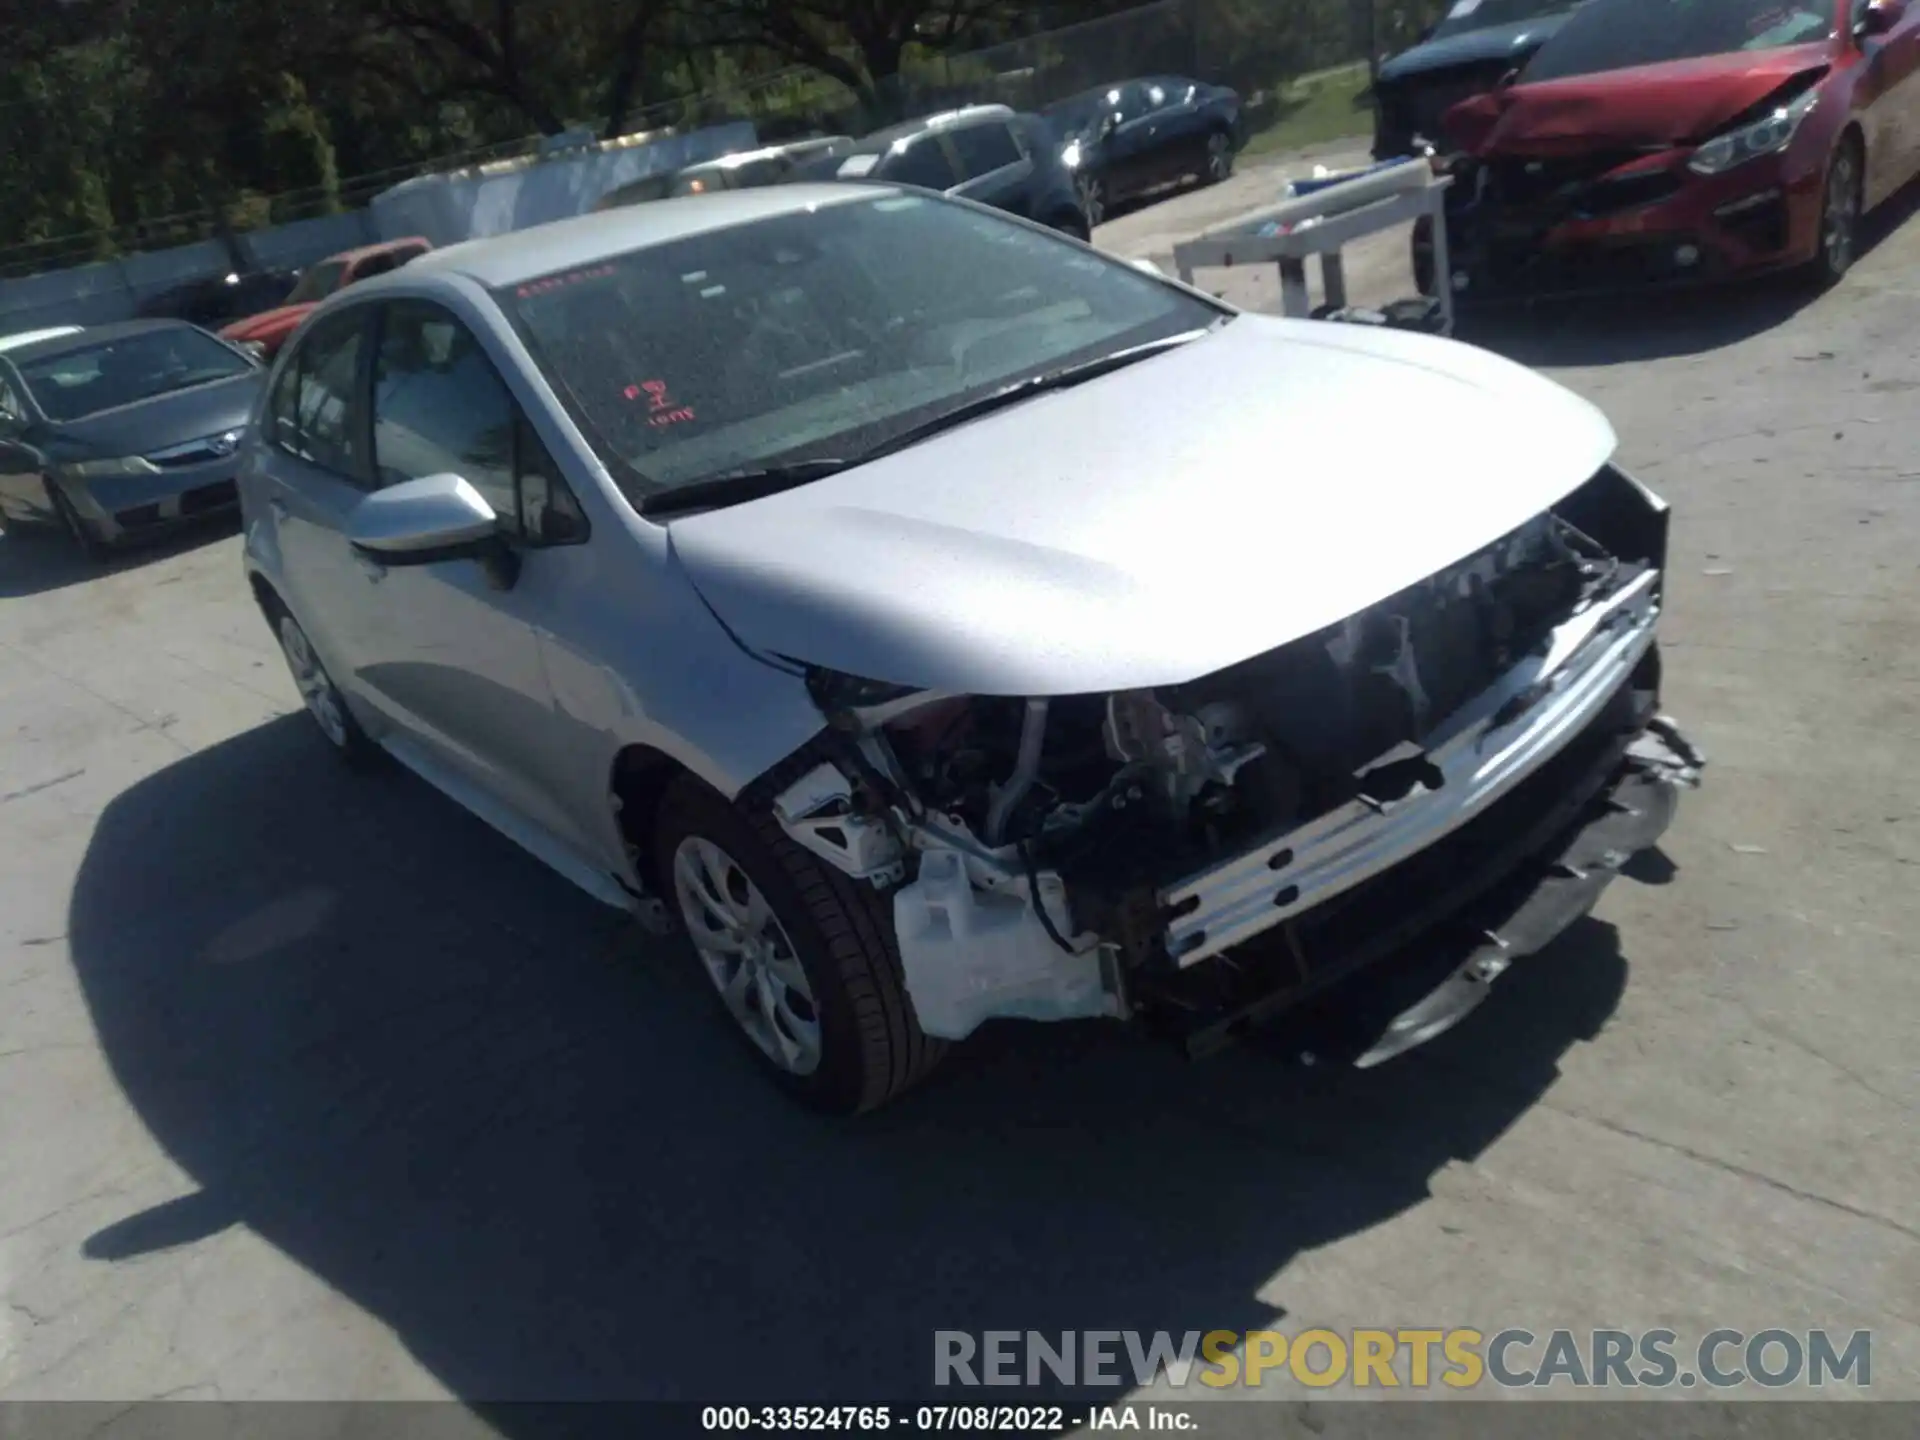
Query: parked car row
(1065, 167)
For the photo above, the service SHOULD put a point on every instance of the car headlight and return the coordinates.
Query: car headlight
(1763, 137)
(1070, 155)
(109, 469)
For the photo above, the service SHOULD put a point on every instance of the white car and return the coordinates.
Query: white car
(948, 622)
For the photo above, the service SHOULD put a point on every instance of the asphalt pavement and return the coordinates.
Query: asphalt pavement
(311, 1087)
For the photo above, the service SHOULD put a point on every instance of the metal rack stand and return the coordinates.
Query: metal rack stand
(1321, 223)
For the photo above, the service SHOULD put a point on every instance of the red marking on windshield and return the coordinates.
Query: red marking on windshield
(662, 408)
(556, 282)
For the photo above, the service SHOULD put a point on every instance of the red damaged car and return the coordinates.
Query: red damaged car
(1653, 141)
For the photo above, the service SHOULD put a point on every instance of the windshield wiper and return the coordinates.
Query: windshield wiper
(734, 487)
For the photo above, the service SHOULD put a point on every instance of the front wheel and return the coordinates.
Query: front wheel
(801, 957)
(1093, 200)
(322, 698)
(1219, 160)
(91, 546)
(1840, 206)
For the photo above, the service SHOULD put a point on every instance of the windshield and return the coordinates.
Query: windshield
(1468, 15)
(1615, 34)
(318, 283)
(823, 333)
(77, 383)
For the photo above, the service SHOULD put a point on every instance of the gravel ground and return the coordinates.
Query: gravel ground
(312, 1087)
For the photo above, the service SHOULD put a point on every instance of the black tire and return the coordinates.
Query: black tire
(1420, 256)
(1093, 200)
(841, 931)
(92, 548)
(1837, 245)
(341, 732)
(1216, 157)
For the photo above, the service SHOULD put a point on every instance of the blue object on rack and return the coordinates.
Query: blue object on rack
(1297, 188)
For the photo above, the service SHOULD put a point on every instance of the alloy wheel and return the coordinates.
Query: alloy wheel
(747, 954)
(1093, 200)
(1840, 217)
(1219, 157)
(316, 688)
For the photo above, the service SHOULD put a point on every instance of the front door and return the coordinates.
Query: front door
(310, 473)
(455, 659)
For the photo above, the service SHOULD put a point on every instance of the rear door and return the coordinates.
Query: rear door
(994, 166)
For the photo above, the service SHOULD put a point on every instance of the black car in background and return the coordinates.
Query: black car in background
(987, 153)
(1126, 139)
(1465, 54)
(217, 300)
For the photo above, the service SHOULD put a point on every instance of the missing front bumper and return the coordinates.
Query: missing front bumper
(1634, 813)
(1499, 889)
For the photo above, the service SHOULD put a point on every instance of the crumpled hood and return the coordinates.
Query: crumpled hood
(280, 321)
(1155, 524)
(1680, 102)
(1470, 47)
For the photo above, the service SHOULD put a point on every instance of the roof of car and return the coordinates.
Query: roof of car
(91, 336)
(22, 338)
(881, 139)
(583, 239)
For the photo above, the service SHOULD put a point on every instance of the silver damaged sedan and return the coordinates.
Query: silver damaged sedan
(937, 621)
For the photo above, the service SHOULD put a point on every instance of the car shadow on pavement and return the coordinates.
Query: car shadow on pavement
(434, 1075)
(35, 562)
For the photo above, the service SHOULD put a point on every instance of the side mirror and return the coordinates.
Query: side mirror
(429, 521)
(1879, 17)
(1109, 123)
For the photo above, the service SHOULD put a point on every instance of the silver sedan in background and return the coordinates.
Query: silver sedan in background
(122, 430)
(939, 621)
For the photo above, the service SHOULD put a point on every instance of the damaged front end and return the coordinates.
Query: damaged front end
(1463, 764)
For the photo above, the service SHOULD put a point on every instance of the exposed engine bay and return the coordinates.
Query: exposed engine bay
(1206, 852)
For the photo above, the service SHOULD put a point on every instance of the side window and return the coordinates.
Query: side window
(312, 405)
(549, 513)
(440, 407)
(923, 163)
(984, 149)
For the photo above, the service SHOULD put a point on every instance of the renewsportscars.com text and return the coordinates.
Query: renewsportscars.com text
(1460, 1358)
